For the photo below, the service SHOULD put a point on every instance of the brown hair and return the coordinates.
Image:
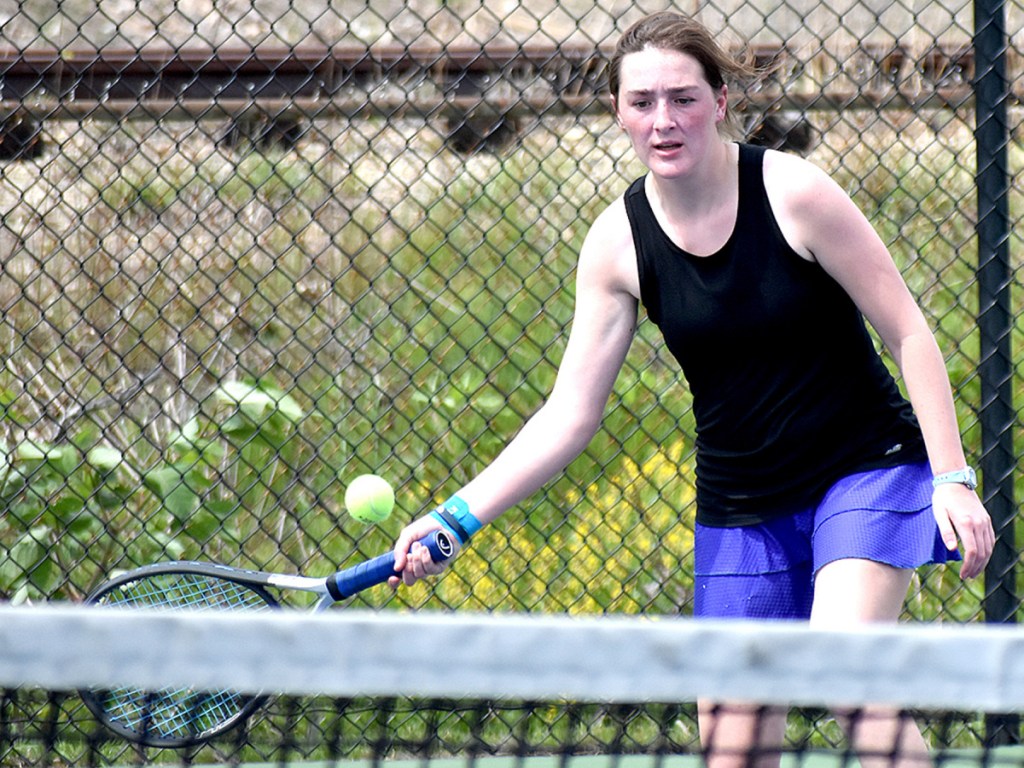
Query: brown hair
(672, 31)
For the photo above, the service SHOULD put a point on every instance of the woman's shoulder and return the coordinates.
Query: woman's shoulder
(785, 165)
(810, 206)
(608, 249)
(797, 190)
(611, 227)
(796, 183)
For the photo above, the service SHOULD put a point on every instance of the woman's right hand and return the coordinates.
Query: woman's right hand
(412, 559)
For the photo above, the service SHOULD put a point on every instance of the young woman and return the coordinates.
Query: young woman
(819, 488)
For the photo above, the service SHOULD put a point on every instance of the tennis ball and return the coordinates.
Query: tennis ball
(369, 498)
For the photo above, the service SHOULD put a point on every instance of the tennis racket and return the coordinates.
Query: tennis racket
(183, 717)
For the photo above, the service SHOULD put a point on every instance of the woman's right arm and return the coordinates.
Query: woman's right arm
(604, 321)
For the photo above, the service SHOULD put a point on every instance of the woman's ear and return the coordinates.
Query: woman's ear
(615, 111)
(722, 104)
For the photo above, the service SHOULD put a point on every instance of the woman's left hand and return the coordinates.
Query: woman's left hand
(961, 516)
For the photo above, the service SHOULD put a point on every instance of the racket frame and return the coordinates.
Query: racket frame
(329, 590)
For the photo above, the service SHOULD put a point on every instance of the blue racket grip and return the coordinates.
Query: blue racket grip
(381, 568)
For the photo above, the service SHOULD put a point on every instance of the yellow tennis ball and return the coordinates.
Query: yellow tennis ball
(369, 498)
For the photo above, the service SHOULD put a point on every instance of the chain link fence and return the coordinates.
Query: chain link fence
(253, 250)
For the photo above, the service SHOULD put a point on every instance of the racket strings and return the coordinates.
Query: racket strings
(178, 713)
(186, 591)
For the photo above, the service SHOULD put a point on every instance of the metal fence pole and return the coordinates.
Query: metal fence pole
(995, 321)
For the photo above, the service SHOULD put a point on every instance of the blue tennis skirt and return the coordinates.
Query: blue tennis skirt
(767, 570)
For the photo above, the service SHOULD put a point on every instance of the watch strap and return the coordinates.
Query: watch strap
(965, 476)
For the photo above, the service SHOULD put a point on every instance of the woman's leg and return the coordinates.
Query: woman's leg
(851, 592)
(741, 735)
(738, 576)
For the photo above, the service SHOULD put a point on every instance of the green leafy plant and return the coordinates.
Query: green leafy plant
(221, 476)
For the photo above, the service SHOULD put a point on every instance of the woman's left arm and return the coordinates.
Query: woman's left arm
(822, 223)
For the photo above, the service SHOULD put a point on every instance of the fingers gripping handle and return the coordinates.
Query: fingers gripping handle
(381, 568)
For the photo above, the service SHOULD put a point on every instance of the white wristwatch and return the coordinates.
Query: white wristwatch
(966, 476)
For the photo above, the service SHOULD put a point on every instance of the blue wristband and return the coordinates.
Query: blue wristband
(455, 516)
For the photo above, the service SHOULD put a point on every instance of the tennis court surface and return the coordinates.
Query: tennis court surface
(446, 690)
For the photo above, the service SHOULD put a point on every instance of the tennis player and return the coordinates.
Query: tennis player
(820, 488)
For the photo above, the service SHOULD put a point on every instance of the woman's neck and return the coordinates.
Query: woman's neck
(712, 184)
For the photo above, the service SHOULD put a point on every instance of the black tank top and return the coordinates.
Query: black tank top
(789, 392)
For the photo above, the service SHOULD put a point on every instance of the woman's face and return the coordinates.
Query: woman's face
(669, 110)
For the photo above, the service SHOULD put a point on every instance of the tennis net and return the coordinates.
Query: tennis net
(446, 690)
